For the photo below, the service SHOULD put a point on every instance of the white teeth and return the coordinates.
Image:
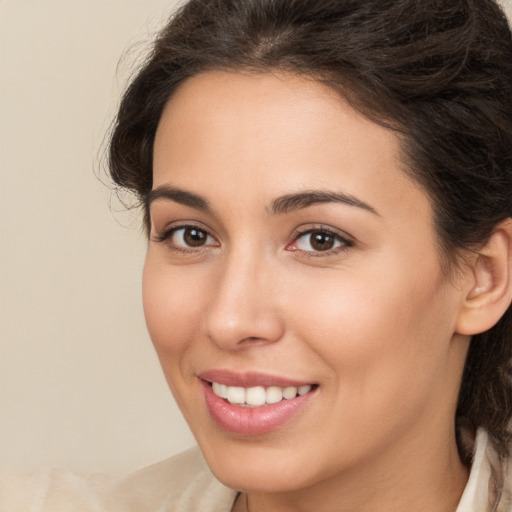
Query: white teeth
(235, 395)
(220, 389)
(303, 390)
(290, 392)
(258, 395)
(274, 395)
(255, 396)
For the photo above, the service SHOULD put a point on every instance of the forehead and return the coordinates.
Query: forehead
(232, 107)
(279, 133)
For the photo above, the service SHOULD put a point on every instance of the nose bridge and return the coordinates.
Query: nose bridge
(242, 307)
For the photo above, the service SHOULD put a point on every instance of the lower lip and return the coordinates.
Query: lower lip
(252, 421)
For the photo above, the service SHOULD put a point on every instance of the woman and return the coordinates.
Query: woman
(328, 191)
(327, 188)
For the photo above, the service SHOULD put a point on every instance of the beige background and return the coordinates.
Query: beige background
(80, 386)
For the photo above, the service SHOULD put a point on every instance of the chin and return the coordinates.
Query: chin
(258, 466)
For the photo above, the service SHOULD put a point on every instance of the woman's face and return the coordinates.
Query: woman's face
(290, 254)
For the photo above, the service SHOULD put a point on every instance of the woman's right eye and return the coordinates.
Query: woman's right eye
(187, 238)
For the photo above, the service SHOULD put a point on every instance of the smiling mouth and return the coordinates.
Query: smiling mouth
(251, 404)
(258, 396)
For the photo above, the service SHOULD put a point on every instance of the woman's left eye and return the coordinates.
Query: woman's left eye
(319, 241)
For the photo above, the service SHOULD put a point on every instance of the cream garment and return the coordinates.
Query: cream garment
(180, 484)
(184, 484)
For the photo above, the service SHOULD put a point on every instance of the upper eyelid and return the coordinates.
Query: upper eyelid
(169, 228)
(327, 229)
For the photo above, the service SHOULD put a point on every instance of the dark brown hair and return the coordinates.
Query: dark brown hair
(439, 72)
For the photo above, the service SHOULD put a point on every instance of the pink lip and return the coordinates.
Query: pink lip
(248, 379)
(251, 421)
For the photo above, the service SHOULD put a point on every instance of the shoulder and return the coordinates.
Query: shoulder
(182, 483)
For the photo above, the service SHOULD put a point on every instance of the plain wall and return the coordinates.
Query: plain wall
(80, 386)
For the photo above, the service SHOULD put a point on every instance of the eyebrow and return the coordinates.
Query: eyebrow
(294, 202)
(178, 196)
(281, 205)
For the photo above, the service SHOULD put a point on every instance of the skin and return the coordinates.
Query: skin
(373, 322)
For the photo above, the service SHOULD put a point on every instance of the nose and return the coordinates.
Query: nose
(243, 310)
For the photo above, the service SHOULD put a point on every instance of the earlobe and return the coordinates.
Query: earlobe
(490, 283)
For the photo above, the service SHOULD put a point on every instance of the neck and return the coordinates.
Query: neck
(432, 481)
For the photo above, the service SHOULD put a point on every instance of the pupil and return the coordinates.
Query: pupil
(322, 241)
(194, 237)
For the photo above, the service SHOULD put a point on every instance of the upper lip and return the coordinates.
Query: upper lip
(249, 379)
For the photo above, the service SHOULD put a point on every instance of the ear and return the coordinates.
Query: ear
(489, 283)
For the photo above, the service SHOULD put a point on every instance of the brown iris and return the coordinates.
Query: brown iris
(321, 241)
(194, 237)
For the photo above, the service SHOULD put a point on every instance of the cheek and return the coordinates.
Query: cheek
(378, 342)
(172, 301)
(376, 326)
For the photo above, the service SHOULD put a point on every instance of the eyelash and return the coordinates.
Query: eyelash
(344, 242)
(169, 232)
